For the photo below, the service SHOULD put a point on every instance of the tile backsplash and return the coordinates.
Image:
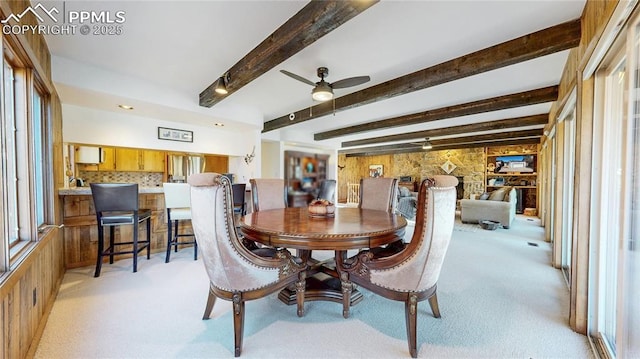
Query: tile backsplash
(143, 179)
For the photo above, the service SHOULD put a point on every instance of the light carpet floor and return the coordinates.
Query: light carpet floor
(498, 296)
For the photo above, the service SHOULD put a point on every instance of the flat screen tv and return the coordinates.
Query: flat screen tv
(515, 163)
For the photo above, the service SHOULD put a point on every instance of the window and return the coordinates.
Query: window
(38, 134)
(25, 172)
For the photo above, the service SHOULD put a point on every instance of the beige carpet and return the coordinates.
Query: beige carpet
(498, 295)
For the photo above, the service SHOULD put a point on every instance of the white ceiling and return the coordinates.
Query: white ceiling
(170, 51)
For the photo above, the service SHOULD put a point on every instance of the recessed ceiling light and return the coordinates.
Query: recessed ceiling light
(219, 124)
(126, 107)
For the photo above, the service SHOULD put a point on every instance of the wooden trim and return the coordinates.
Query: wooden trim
(544, 42)
(315, 20)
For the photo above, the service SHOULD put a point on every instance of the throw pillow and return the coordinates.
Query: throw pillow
(484, 196)
(404, 192)
(497, 195)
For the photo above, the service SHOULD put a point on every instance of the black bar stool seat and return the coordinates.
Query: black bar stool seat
(116, 204)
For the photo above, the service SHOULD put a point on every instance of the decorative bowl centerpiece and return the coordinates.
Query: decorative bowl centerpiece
(321, 208)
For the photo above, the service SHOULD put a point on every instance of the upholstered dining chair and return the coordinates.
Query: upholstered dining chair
(116, 204)
(327, 190)
(410, 275)
(379, 193)
(268, 193)
(177, 201)
(236, 273)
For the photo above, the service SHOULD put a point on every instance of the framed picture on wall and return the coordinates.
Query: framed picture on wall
(173, 134)
(375, 171)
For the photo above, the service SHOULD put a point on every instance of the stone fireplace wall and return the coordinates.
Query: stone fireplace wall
(469, 164)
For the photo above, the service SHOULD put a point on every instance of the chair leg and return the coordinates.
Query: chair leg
(111, 243)
(176, 235)
(169, 238)
(411, 315)
(195, 248)
(300, 288)
(433, 303)
(135, 246)
(100, 250)
(149, 237)
(238, 322)
(211, 301)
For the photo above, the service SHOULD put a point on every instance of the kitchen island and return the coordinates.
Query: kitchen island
(81, 230)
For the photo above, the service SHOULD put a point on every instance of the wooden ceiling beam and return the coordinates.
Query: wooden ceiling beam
(455, 141)
(544, 42)
(315, 20)
(524, 121)
(542, 95)
(523, 141)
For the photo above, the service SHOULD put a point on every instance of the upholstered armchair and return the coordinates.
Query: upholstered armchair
(235, 272)
(411, 275)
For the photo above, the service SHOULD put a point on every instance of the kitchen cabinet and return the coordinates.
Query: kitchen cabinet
(153, 161)
(127, 159)
(217, 164)
(133, 160)
(108, 161)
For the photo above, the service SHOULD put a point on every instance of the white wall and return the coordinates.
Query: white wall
(272, 159)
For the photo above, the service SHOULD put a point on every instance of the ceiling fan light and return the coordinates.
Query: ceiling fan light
(322, 93)
(427, 145)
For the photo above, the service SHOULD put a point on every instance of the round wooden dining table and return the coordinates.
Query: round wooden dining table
(349, 228)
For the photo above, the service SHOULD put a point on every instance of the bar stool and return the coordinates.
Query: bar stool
(116, 204)
(238, 190)
(177, 200)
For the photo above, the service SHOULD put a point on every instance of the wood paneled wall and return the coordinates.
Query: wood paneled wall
(28, 291)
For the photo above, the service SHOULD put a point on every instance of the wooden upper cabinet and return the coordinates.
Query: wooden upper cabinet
(127, 159)
(133, 160)
(218, 164)
(153, 161)
(109, 159)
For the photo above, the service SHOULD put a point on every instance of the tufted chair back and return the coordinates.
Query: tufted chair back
(235, 272)
(268, 193)
(411, 274)
(379, 194)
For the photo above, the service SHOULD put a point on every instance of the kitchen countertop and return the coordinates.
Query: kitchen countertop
(78, 191)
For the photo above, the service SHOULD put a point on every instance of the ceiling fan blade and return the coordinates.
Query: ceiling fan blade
(299, 78)
(351, 81)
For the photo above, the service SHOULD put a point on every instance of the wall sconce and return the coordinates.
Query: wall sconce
(221, 86)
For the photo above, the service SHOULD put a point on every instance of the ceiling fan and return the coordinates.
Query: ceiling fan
(426, 145)
(323, 90)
